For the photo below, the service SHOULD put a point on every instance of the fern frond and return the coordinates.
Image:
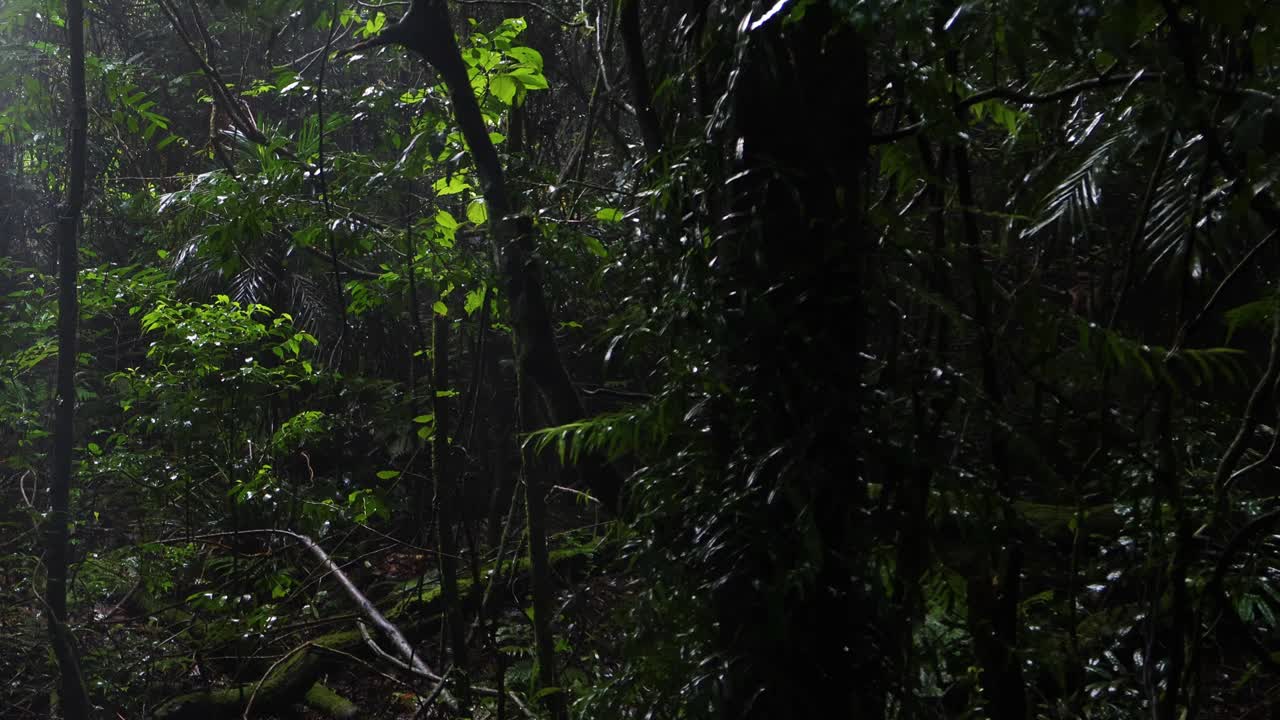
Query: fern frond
(1114, 352)
(639, 430)
(1073, 202)
(1257, 313)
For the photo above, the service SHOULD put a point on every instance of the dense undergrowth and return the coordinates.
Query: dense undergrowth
(631, 359)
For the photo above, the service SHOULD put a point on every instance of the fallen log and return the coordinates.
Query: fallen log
(294, 678)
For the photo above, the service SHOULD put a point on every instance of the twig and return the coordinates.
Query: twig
(1139, 226)
(258, 685)
(22, 488)
(522, 3)
(397, 662)
(367, 608)
(1260, 397)
(1217, 293)
(430, 700)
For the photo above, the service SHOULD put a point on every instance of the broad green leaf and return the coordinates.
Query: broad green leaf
(446, 220)
(475, 298)
(503, 87)
(526, 56)
(529, 79)
(451, 185)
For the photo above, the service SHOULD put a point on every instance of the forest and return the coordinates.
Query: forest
(639, 359)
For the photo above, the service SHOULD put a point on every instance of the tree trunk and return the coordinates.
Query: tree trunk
(539, 571)
(74, 695)
(641, 95)
(791, 279)
(428, 30)
(443, 469)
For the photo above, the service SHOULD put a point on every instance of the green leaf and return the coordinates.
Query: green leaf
(526, 56)
(451, 185)
(374, 26)
(388, 474)
(595, 246)
(446, 220)
(529, 79)
(440, 308)
(475, 298)
(503, 87)
(544, 692)
(477, 211)
(612, 215)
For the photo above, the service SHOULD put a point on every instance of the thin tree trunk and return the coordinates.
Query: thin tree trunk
(641, 95)
(446, 517)
(74, 695)
(995, 629)
(539, 571)
(428, 30)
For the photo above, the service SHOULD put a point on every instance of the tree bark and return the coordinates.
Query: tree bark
(74, 695)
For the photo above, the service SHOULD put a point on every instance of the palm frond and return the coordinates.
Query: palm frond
(1072, 204)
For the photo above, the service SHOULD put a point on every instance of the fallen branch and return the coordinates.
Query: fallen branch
(438, 679)
(362, 603)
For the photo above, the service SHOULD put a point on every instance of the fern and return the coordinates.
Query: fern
(1175, 208)
(1254, 314)
(642, 429)
(1073, 202)
(1115, 352)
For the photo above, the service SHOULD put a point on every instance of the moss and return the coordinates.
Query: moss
(323, 700)
(284, 684)
(562, 560)
(338, 640)
(296, 676)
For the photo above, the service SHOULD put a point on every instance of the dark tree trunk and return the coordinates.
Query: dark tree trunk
(792, 285)
(641, 94)
(444, 469)
(74, 695)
